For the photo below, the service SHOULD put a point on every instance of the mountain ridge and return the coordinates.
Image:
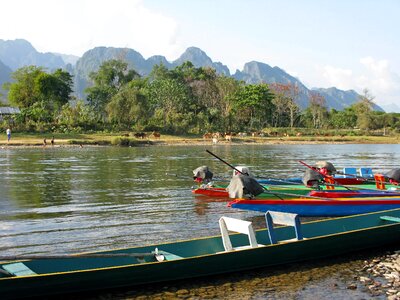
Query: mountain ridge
(23, 53)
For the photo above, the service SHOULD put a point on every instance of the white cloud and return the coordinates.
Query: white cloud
(375, 75)
(378, 75)
(338, 77)
(75, 26)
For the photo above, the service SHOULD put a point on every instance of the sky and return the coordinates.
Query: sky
(348, 44)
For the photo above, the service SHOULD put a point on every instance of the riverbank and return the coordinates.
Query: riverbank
(79, 140)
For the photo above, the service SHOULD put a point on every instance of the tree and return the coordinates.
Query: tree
(286, 108)
(129, 106)
(344, 119)
(40, 95)
(23, 91)
(54, 89)
(169, 103)
(75, 117)
(317, 109)
(108, 80)
(363, 109)
(227, 88)
(253, 106)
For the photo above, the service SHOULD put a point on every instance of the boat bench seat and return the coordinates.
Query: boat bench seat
(167, 256)
(390, 218)
(18, 269)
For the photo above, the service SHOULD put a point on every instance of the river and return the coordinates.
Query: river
(62, 200)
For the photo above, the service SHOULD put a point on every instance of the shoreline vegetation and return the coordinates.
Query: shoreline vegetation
(126, 139)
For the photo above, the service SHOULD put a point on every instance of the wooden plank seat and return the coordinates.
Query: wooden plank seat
(391, 219)
(17, 269)
(161, 255)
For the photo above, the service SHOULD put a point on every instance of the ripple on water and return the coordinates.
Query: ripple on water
(68, 201)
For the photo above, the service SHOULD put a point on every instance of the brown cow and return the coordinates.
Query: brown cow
(156, 134)
(207, 135)
(140, 135)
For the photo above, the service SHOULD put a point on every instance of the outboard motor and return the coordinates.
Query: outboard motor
(394, 176)
(202, 174)
(312, 179)
(244, 186)
(325, 167)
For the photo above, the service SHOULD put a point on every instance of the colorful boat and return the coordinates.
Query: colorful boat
(45, 277)
(353, 193)
(298, 180)
(279, 191)
(319, 207)
(367, 190)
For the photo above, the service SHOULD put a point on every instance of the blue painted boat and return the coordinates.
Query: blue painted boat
(312, 207)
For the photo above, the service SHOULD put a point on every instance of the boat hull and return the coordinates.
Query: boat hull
(339, 191)
(205, 257)
(316, 207)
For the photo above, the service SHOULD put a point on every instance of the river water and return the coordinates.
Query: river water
(63, 200)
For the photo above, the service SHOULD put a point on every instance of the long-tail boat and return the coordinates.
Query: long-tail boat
(336, 191)
(310, 206)
(45, 276)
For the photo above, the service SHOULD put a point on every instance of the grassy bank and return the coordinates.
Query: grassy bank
(119, 139)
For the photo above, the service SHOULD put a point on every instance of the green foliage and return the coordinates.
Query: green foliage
(253, 106)
(108, 80)
(129, 106)
(343, 119)
(169, 103)
(23, 92)
(286, 110)
(74, 118)
(182, 100)
(38, 94)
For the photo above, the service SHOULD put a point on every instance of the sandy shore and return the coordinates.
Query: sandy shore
(182, 141)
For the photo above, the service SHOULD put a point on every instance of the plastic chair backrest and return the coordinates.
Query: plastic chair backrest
(227, 224)
(366, 172)
(350, 172)
(281, 218)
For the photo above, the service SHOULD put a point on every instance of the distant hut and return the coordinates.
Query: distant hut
(8, 112)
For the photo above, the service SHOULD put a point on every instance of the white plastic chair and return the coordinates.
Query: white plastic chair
(227, 224)
(281, 218)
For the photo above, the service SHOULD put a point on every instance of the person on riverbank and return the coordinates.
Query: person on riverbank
(8, 132)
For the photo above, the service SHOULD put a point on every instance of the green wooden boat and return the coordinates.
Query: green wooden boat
(51, 275)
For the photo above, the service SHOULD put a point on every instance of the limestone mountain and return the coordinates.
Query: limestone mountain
(5, 76)
(339, 99)
(200, 59)
(257, 72)
(18, 53)
(92, 60)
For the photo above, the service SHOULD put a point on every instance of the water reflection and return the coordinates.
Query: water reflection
(67, 200)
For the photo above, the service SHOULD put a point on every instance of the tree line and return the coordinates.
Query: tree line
(183, 100)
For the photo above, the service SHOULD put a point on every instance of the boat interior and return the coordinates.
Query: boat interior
(236, 236)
